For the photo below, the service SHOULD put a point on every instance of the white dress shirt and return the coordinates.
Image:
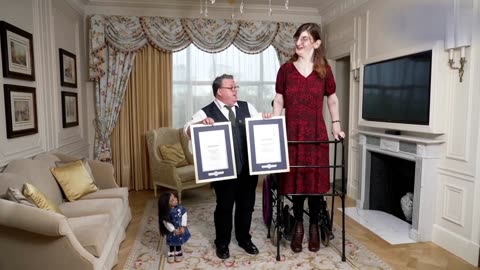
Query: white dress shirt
(200, 115)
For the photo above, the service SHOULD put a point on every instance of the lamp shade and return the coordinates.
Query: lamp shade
(463, 23)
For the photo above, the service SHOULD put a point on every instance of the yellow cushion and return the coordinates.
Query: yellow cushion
(74, 180)
(32, 193)
(173, 152)
(60, 164)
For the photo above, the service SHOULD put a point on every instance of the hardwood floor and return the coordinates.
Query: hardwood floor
(423, 256)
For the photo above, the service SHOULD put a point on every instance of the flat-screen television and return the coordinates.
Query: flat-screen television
(397, 90)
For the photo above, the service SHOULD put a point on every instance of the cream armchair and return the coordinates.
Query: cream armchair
(163, 172)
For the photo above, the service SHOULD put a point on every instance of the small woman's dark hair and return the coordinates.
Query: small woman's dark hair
(319, 60)
(164, 211)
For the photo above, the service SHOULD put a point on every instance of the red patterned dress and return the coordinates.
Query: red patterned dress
(303, 100)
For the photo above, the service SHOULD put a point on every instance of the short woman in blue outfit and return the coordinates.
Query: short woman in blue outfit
(172, 218)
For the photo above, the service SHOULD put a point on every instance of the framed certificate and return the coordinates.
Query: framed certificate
(213, 152)
(267, 145)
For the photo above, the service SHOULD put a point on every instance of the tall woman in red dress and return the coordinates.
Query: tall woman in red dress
(302, 83)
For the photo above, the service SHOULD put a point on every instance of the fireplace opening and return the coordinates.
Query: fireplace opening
(391, 179)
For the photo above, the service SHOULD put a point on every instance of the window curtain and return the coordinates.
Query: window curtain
(109, 92)
(114, 41)
(147, 105)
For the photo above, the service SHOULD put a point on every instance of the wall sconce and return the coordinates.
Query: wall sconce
(356, 74)
(463, 61)
(458, 31)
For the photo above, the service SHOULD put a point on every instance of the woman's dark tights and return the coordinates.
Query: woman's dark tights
(313, 207)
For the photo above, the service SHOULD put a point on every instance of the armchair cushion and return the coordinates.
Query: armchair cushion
(74, 180)
(173, 152)
(40, 200)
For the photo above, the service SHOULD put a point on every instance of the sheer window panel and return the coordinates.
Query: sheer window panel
(254, 73)
(180, 66)
(181, 105)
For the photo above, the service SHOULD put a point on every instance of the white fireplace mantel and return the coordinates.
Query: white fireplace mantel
(426, 154)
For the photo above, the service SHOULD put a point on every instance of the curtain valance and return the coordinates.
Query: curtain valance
(129, 34)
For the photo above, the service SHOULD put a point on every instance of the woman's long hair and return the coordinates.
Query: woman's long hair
(319, 60)
(164, 211)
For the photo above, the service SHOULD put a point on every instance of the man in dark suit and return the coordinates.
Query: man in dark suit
(240, 191)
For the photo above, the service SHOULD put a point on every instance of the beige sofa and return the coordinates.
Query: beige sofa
(87, 234)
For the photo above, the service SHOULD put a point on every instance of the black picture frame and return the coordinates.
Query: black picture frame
(68, 68)
(20, 110)
(213, 152)
(17, 52)
(267, 145)
(69, 109)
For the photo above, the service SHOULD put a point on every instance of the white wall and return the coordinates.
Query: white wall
(53, 24)
(380, 27)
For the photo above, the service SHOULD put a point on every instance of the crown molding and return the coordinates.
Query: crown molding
(79, 6)
(195, 7)
(339, 8)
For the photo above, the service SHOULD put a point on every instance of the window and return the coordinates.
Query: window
(195, 70)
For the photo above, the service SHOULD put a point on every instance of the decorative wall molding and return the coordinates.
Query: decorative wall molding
(461, 175)
(346, 34)
(77, 5)
(454, 196)
(47, 78)
(339, 8)
(458, 146)
(192, 9)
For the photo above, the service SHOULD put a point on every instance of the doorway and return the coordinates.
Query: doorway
(341, 70)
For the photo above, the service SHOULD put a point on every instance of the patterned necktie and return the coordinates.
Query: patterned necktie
(231, 115)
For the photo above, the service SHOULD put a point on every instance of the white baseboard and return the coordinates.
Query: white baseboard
(456, 244)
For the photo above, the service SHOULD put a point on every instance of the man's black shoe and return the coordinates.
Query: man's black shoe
(249, 247)
(223, 252)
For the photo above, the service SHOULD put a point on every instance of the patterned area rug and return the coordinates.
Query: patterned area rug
(149, 249)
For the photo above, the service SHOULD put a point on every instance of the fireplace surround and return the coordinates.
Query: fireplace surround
(425, 153)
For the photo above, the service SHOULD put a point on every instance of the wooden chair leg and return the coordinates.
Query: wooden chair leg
(179, 196)
(154, 190)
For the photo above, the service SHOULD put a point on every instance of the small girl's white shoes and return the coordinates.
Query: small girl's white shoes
(178, 256)
(171, 257)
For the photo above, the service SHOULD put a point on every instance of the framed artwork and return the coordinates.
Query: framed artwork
(267, 145)
(68, 69)
(69, 109)
(17, 52)
(20, 110)
(213, 152)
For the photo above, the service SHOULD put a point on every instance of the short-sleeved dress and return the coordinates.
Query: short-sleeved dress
(176, 214)
(303, 100)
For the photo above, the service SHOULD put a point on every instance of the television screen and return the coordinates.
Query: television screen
(398, 90)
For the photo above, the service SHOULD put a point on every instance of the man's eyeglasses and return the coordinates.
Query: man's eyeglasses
(232, 88)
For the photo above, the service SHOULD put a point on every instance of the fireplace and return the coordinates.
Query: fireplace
(390, 179)
(392, 166)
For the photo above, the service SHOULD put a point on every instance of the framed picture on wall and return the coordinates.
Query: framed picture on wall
(69, 109)
(68, 69)
(17, 52)
(20, 110)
